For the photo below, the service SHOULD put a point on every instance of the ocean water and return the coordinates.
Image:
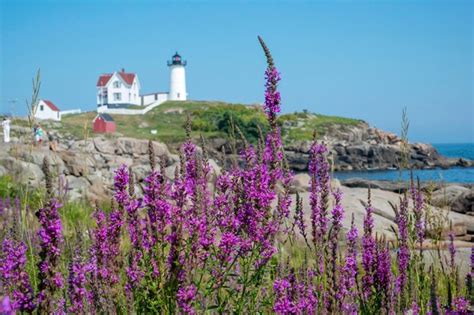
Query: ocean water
(455, 174)
(461, 150)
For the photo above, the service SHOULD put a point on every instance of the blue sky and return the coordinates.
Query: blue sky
(361, 59)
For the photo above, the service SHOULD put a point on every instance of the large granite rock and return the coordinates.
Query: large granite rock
(354, 202)
(446, 196)
(88, 165)
(464, 203)
(456, 197)
(137, 147)
(23, 172)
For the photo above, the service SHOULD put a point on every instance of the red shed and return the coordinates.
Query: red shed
(103, 123)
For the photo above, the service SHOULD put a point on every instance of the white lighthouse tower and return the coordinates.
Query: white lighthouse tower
(177, 79)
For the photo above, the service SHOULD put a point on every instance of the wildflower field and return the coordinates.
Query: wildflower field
(231, 243)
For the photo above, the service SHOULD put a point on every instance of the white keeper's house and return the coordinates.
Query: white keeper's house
(47, 110)
(118, 89)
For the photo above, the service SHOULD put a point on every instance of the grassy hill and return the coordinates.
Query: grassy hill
(211, 119)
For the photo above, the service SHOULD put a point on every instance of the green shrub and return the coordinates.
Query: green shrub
(7, 187)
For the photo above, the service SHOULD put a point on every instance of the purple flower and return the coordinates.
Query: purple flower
(228, 246)
(272, 96)
(104, 265)
(134, 223)
(185, 298)
(299, 220)
(283, 303)
(418, 205)
(13, 275)
(452, 251)
(337, 214)
(51, 241)
(294, 296)
(77, 291)
(6, 306)
(470, 275)
(403, 256)
(159, 209)
(319, 196)
(415, 309)
(134, 272)
(472, 260)
(383, 275)
(121, 185)
(461, 306)
(368, 251)
(349, 272)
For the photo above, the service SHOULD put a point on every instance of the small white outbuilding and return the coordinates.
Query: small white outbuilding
(47, 110)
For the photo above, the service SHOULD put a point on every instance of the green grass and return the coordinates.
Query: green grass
(300, 126)
(211, 119)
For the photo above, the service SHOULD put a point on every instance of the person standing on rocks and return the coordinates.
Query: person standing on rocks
(6, 129)
(38, 134)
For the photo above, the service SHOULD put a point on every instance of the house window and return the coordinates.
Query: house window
(116, 84)
(41, 107)
(117, 96)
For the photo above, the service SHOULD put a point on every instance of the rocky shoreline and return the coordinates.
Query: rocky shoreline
(352, 147)
(360, 147)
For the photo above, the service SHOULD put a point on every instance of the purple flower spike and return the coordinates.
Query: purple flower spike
(77, 290)
(121, 185)
(403, 250)
(452, 251)
(418, 205)
(319, 191)
(51, 241)
(368, 250)
(13, 275)
(185, 297)
(6, 306)
(349, 272)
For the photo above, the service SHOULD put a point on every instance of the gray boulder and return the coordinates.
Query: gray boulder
(23, 172)
(136, 147)
(464, 203)
(103, 145)
(446, 196)
(300, 183)
(77, 163)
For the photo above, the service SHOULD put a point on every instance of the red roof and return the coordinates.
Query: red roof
(127, 77)
(103, 79)
(51, 105)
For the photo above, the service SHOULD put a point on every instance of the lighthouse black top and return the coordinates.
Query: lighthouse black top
(176, 60)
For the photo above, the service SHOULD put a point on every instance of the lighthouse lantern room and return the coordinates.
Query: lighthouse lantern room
(177, 90)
